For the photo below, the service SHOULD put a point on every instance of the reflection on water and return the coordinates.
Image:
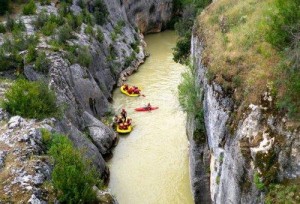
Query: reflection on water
(150, 165)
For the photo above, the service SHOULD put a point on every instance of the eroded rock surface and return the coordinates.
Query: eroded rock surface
(261, 143)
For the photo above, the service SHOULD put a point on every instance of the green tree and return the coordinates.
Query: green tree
(284, 21)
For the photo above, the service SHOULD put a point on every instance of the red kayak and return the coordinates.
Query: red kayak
(146, 109)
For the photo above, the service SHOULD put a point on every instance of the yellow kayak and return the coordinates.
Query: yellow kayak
(126, 93)
(129, 129)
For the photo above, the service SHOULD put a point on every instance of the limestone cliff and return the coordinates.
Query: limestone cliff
(86, 92)
(261, 142)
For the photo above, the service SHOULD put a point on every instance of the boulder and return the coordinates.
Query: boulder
(15, 122)
(90, 151)
(102, 136)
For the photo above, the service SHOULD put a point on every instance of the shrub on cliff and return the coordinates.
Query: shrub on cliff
(73, 177)
(42, 63)
(30, 100)
(284, 21)
(284, 34)
(64, 34)
(184, 25)
(29, 8)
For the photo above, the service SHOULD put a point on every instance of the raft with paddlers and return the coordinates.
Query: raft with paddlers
(130, 90)
(146, 108)
(122, 123)
(124, 131)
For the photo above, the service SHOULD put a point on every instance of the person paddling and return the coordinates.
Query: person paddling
(124, 114)
(148, 107)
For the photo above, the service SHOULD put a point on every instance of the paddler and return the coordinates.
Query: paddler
(129, 121)
(124, 114)
(125, 87)
(148, 107)
(136, 90)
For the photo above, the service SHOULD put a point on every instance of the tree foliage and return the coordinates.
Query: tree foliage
(188, 10)
(73, 177)
(30, 100)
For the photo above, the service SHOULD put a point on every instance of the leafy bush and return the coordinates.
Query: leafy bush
(64, 34)
(89, 30)
(188, 10)
(49, 28)
(9, 51)
(99, 36)
(187, 90)
(42, 63)
(101, 12)
(45, 2)
(10, 61)
(29, 8)
(19, 26)
(258, 183)
(85, 56)
(284, 34)
(283, 22)
(4, 6)
(130, 59)
(80, 55)
(181, 52)
(31, 54)
(72, 176)
(41, 19)
(190, 99)
(2, 28)
(74, 21)
(30, 100)
(135, 46)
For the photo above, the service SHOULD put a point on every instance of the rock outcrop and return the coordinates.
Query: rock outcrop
(23, 164)
(85, 93)
(261, 142)
(149, 16)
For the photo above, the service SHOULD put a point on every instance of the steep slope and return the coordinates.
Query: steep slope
(84, 89)
(252, 146)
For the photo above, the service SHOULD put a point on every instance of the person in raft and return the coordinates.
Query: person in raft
(125, 87)
(129, 121)
(124, 114)
(136, 90)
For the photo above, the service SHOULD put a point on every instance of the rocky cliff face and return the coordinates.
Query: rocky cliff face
(149, 16)
(85, 92)
(262, 142)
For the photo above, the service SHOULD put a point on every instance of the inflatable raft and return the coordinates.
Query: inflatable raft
(126, 93)
(128, 130)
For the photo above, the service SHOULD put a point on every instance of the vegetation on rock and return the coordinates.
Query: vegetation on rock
(188, 10)
(73, 177)
(30, 100)
(190, 99)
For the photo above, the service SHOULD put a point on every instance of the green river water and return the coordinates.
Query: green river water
(151, 165)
